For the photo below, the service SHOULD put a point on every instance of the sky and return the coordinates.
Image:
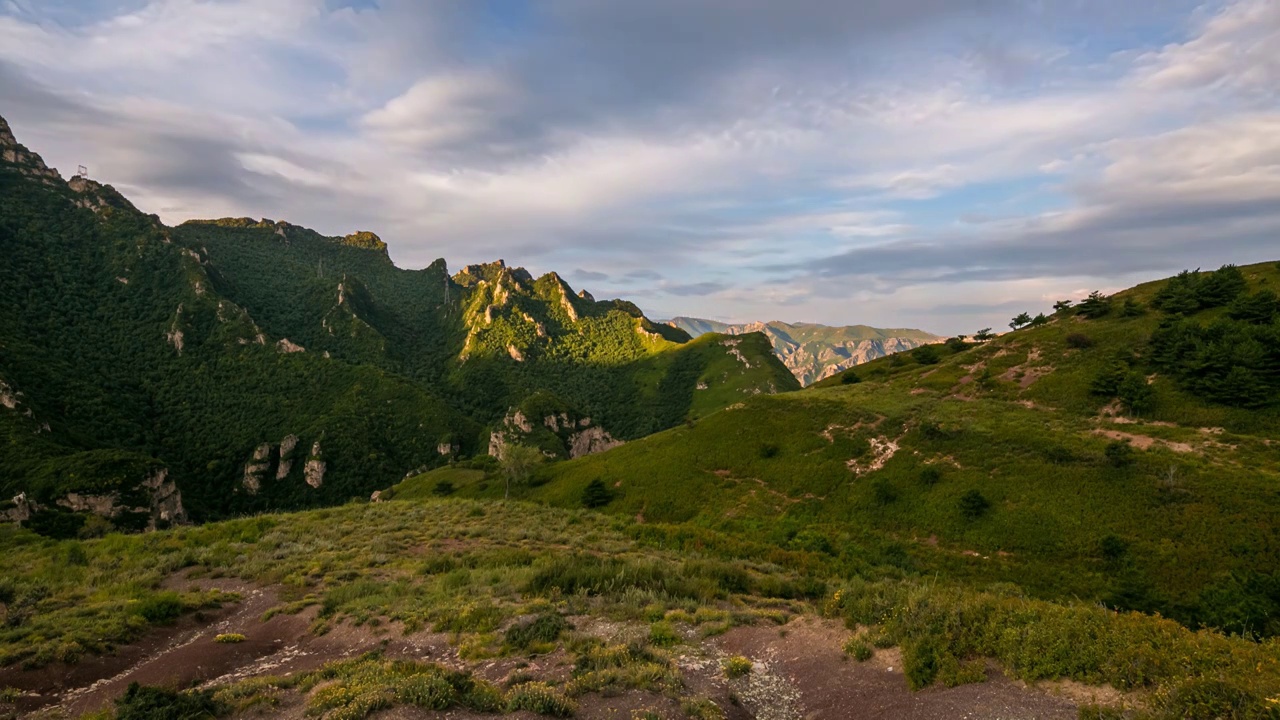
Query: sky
(940, 164)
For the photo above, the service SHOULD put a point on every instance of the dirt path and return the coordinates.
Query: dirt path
(804, 675)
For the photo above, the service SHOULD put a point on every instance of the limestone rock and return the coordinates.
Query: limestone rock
(315, 468)
(256, 469)
(591, 441)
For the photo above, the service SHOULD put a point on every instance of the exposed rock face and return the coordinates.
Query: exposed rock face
(166, 501)
(29, 163)
(591, 441)
(164, 506)
(287, 446)
(447, 449)
(515, 353)
(575, 435)
(8, 396)
(256, 469)
(175, 336)
(17, 510)
(815, 352)
(315, 468)
(285, 345)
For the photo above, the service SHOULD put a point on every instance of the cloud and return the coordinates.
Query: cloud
(589, 275)
(700, 288)
(849, 160)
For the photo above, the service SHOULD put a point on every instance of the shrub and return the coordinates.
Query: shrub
(1079, 341)
(883, 491)
(596, 494)
(930, 476)
(443, 488)
(1132, 308)
(1095, 306)
(927, 355)
(662, 634)
(1119, 453)
(736, 666)
(540, 698)
(160, 607)
(701, 709)
(920, 663)
(229, 638)
(973, 505)
(768, 450)
(850, 378)
(141, 702)
(1112, 548)
(1215, 699)
(858, 649)
(545, 628)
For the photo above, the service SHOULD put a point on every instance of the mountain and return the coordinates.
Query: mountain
(814, 352)
(151, 375)
(1123, 451)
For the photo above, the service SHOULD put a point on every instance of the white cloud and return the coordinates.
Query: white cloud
(733, 161)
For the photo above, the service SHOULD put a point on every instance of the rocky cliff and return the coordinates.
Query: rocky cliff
(814, 352)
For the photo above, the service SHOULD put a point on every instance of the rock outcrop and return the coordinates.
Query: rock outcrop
(315, 468)
(560, 433)
(163, 508)
(257, 469)
(591, 441)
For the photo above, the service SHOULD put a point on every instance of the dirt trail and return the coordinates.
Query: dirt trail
(804, 674)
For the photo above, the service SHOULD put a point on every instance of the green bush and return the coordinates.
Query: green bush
(229, 638)
(540, 698)
(662, 634)
(545, 628)
(930, 476)
(858, 649)
(973, 505)
(443, 488)
(736, 666)
(1119, 453)
(142, 702)
(159, 607)
(1079, 341)
(596, 495)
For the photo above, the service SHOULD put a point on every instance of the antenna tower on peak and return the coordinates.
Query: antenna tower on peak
(82, 172)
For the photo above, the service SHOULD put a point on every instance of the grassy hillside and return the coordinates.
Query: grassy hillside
(1070, 458)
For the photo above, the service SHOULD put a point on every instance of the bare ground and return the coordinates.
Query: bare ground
(799, 673)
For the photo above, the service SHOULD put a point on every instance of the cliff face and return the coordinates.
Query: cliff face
(814, 352)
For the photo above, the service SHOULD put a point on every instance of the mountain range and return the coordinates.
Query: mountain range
(815, 352)
(152, 374)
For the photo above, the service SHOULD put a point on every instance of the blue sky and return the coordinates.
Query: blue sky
(901, 163)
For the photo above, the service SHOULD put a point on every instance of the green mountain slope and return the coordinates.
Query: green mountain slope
(813, 352)
(1111, 458)
(153, 374)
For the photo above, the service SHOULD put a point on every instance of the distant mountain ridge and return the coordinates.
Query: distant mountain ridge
(814, 352)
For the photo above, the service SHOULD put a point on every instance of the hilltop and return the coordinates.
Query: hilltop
(814, 352)
(152, 375)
